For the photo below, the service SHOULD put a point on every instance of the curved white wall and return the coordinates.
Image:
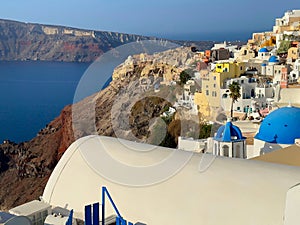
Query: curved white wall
(231, 191)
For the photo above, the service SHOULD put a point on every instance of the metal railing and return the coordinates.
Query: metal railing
(92, 212)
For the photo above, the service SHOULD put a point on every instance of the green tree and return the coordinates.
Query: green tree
(234, 94)
(205, 130)
(284, 47)
(184, 77)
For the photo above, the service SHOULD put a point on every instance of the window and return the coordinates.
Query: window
(215, 77)
(238, 108)
(241, 68)
(215, 85)
(224, 96)
(207, 92)
(225, 150)
(242, 81)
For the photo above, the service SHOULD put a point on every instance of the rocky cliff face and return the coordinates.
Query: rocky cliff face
(27, 41)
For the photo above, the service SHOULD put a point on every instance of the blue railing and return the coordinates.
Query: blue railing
(92, 211)
(70, 219)
(91, 215)
(106, 193)
(121, 221)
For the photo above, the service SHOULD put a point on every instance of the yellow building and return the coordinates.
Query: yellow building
(234, 69)
(201, 101)
(215, 80)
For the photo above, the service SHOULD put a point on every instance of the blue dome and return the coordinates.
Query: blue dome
(273, 59)
(263, 50)
(281, 126)
(229, 133)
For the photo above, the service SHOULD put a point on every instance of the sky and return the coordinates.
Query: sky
(173, 19)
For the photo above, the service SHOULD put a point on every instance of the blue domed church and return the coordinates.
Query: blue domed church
(264, 53)
(278, 130)
(229, 142)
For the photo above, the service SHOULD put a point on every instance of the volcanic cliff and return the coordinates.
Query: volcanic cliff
(30, 41)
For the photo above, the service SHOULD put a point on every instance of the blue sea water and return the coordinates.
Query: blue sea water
(33, 93)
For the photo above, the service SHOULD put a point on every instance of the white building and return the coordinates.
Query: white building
(286, 19)
(247, 92)
(157, 185)
(41, 213)
(36, 211)
(253, 96)
(272, 62)
(263, 91)
(229, 142)
(288, 24)
(295, 73)
(224, 45)
(263, 54)
(186, 99)
(190, 144)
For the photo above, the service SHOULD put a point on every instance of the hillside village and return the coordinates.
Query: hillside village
(266, 69)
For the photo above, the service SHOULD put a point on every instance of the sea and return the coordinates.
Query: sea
(33, 93)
